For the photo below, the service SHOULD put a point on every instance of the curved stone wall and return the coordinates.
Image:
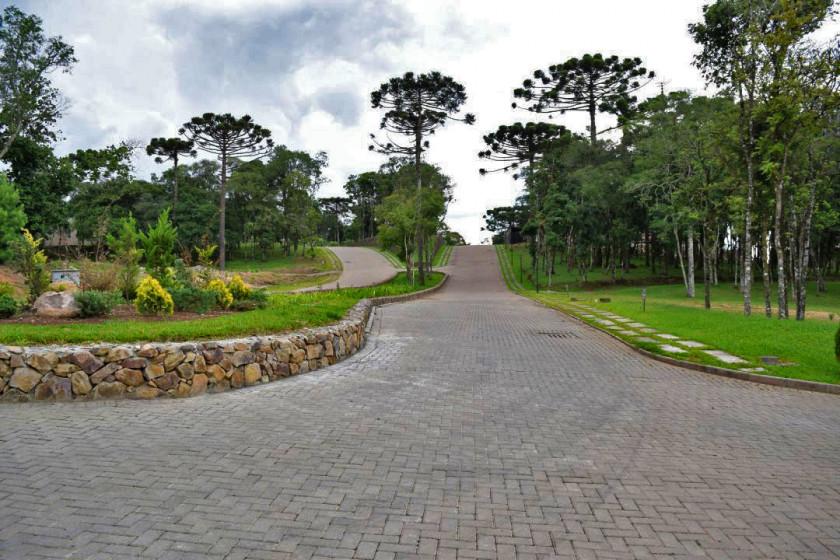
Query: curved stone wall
(155, 370)
(180, 369)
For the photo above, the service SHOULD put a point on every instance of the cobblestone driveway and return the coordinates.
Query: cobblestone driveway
(489, 427)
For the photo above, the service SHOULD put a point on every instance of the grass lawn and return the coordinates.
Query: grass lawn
(300, 263)
(442, 256)
(395, 261)
(285, 312)
(809, 344)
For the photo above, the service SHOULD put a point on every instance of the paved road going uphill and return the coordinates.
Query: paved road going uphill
(475, 424)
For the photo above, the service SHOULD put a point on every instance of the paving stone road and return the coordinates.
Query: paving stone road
(475, 424)
(361, 267)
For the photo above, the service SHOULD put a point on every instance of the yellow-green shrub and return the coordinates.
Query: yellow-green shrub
(152, 298)
(224, 298)
(238, 288)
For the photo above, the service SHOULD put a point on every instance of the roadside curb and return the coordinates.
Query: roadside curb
(786, 382)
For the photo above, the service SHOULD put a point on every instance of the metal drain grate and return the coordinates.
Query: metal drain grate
(557, 334)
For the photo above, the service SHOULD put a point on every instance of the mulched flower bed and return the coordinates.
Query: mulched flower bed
(121, 312)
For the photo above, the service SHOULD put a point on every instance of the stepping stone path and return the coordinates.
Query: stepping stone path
(724, 357)
(668, 336)
(672, 349)
(691, 344)
(645, 339)
(637, 325)
(628, 333)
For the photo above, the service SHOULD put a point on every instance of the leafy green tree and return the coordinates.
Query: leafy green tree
(334, 210)
(171, 149)
(124, 246)
(415, 107)
(366, 191)
(29, 104)
(592, 84)
(44, 183)
(31, 262)
(229, 138)
(12, 217)
(506, 223)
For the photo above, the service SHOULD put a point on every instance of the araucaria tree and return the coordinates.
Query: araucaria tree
(592, 84)
(415, 107)
(29, 104)
(516, 144)
(171, 149)
(229, 138)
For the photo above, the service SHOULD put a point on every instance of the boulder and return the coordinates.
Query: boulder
(56, 305)
(109, 390)
(43, 362)
(252, 374)
(199, 384)
(25, 379)
(130, 377)
(80, 383)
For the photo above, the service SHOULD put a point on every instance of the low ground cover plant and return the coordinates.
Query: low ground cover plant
(97, 303)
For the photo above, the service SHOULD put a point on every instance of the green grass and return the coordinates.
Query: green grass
(323, 260)
(328, 280)
(809, 344)
(395, 261)
(442, 256)
(285, 312)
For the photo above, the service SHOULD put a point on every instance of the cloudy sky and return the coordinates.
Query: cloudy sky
(305, 69)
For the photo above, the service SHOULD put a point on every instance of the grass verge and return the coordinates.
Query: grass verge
(285, 312)
(806, 345)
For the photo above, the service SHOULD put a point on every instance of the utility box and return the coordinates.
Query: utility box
(66, 275)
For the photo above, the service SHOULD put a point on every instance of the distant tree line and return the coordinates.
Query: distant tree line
(741, 186)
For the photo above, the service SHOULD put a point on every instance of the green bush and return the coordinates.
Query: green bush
(6, 289)
(8, 306)
(12, 217)
(128, 255)
(96, 303)
(159, 245)
(152, 299)
(187, 298)
(224, 298)
(257, 299)
(837, 344)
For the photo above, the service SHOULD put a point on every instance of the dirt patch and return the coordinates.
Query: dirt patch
(272, 277)
(121, 312)
(8, 276)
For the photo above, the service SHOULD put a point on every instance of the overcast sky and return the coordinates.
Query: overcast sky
(305, 69)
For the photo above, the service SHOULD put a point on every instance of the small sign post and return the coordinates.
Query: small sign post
(644, 298)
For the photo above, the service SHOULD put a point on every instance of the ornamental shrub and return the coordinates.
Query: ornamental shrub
(224, 298)
(152, 299)
(257, 300)
(31, 262)
(8, 306)
(96, 303)
(238, 288)
(6, 289)
(99, 276)
(187, 298)
(159, 244)
(128, 255)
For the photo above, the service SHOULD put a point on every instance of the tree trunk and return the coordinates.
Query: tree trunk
(222, 200)
(682, 264)
(690, 258)
(707, 248)
(418, 152)
(781, 277)
(804, 253)
(765, 269)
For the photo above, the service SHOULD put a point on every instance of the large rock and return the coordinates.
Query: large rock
(85, 360)
(80, 383)
(199, 384)
(130, 377)
(56, 304)
(252, 374)
(25, 379)
(109, 390)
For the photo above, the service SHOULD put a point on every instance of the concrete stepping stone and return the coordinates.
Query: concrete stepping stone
(647, 330)
(645, 339)
(637, 325)
(691, 344)
(670, 348)
(753, 369)
(604, 322)
(668, 336)
(624, 320)
(724, 357)
(614, 327)
(628, 333)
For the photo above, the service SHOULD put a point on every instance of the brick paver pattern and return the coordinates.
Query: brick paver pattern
(475, 424)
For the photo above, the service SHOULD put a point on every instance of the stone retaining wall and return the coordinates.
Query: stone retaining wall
(150, 371)
(180, 369)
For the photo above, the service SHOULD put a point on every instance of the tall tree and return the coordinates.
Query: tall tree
(171, 149)
(12, 218)
(29, 104)
(415, 107)
(228, 138)
(334, 210)
(519, 143)
(592, 84)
